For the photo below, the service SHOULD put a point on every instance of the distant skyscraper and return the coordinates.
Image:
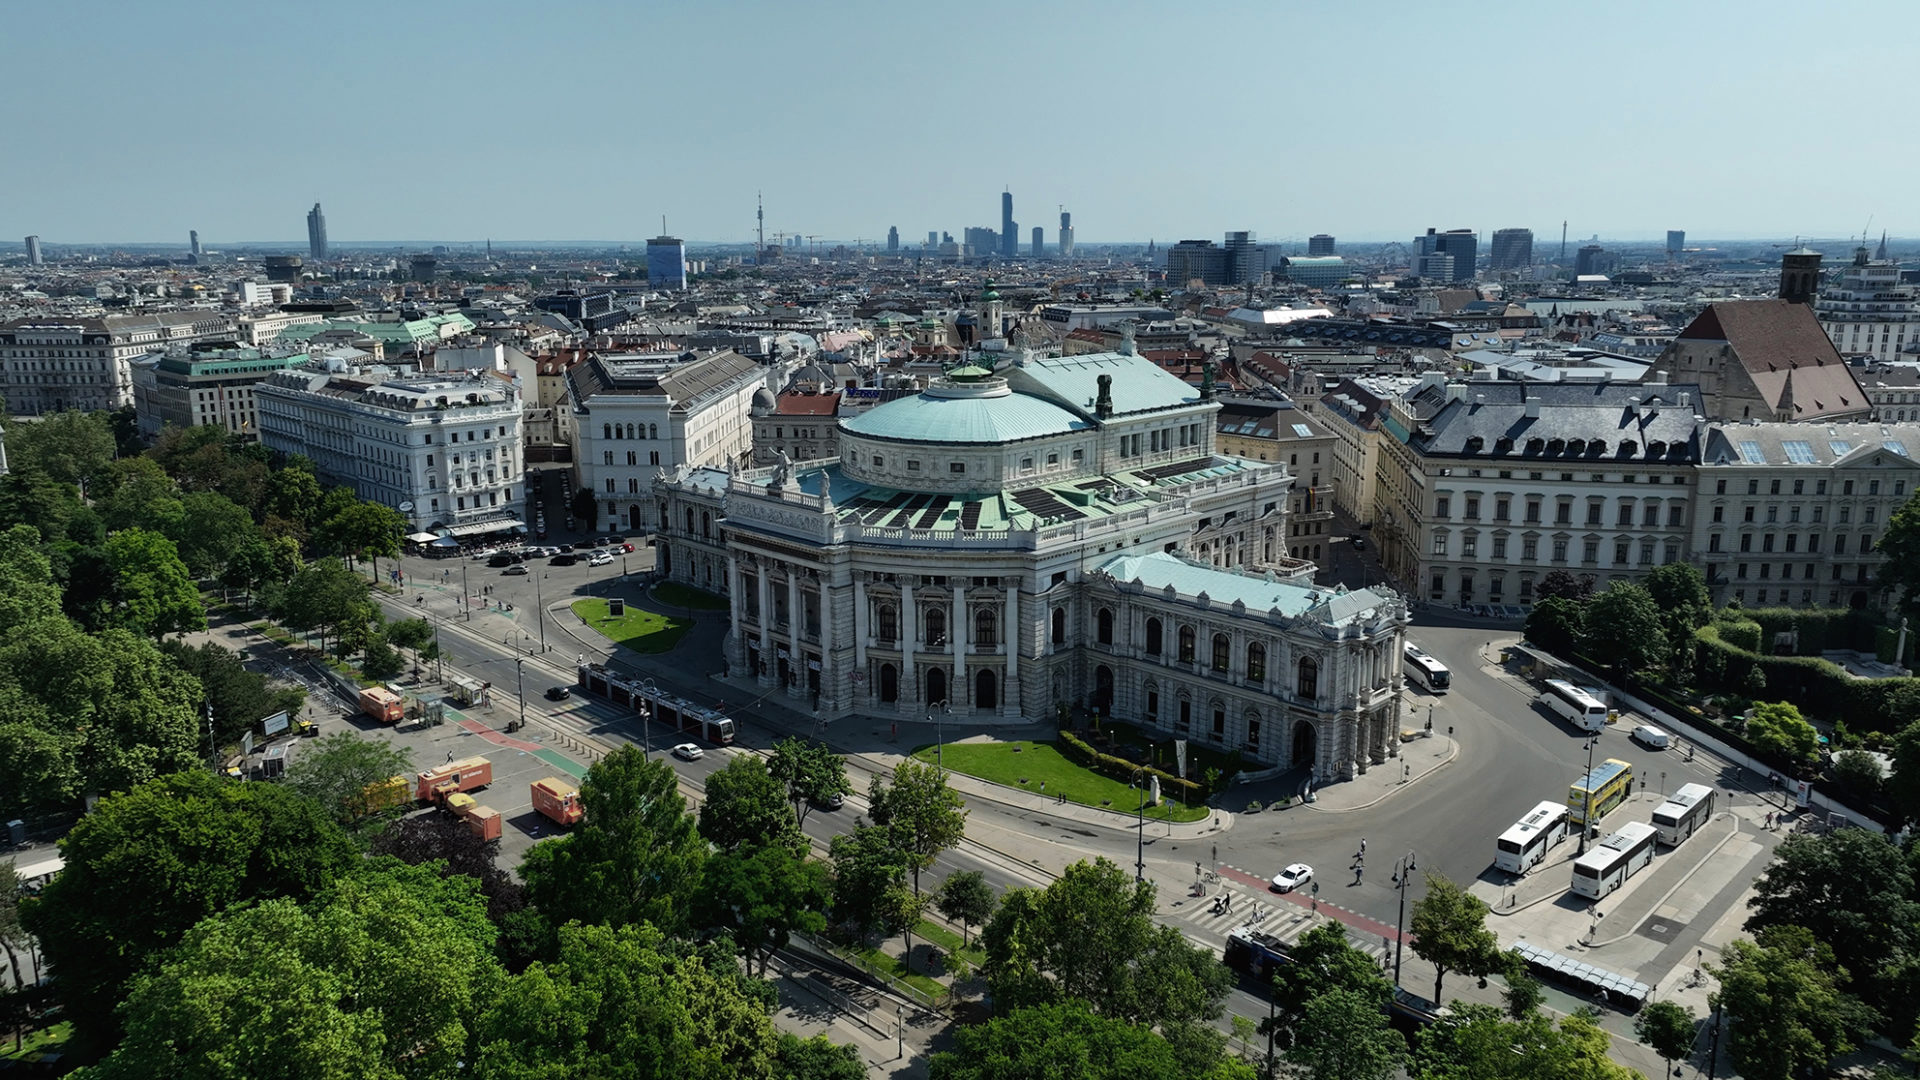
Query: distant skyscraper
(1676, 244)
(1066, 234)
(1463, 245)
(316, 234)
(193, 242)
(1039, 241)
(1434, 266)
(424, 268)
(933, 238)
(1009, 229)
(1512, 249)
(893, 239)
(1589, 260)
(33, 252)
(1319, 244)
(666, 263)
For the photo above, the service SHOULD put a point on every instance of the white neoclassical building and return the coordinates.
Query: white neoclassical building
(1057, 531)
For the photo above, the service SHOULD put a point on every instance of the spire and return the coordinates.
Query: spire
(1882, 253)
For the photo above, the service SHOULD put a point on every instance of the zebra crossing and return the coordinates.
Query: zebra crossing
(1253, 908)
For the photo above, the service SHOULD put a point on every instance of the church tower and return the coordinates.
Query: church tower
(1799, 275)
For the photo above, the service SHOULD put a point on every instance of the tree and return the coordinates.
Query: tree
(337, 772)
(624, 1002)
(138, 494)
(636, 858)
(1787, 1013)
(1668, 1029)
(1903, 782)
(1450, 932)
(817, 1059)
(747, 807)
(1680, 593)
(1623, 628)
(1523, 995)
(446, 844)
(764, 893)
(1556, 624)
(966, 898)
(27, 590)
(1324, 962)
(925, 816)
(1854, 890)
(14, 938)
(870, 892)
(584, 506)
(152, 592)
(1480, 1043)
(240, 698)
(1777, 730)
(1859, 772)
(812, 774)
(1899, 549)
(293, 493)
(414, 634)
(1091, 936)
(212, 532)
(69, 447)
(262, 561)
(1345, 1037)
(1067, 1041)
(1564, 585)
(335, 990)
(323, 596)
(379, 660)
(363, 530)
(145, 866)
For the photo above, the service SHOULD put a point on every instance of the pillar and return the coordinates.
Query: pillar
(960, 692)
(1010, 685)
(828, 698)
(765, 586)
(733, 609)
(909, 641)
(860, 625)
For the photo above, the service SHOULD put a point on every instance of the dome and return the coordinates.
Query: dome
(763, 402)
(983, 413)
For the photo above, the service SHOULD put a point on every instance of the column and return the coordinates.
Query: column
(733, 589)
(859, 622)
(909, 640)
(828, 699)
(1010, 683)
(765, 587)
(959, 693)
(795, 619)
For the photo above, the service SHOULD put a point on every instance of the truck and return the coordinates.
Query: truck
(382, 704)
(483, 821)
(467, 774)
(557, 800)
(383, 795)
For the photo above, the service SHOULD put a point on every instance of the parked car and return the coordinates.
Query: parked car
(628, 548)
(503, 558)
(559, 693)
(599, 558)
(1651, 737)
(616, 540)
(515, 570)
(687, 751)
(562, 560)
(565, 548)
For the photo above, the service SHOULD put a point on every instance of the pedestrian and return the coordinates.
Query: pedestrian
(1357, 871)
(449, 757)
(1363, 845)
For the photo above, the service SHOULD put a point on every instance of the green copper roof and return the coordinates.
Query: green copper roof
(934, 417)
(1158, 570)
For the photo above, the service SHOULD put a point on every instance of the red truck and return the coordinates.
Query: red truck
(557, 800)
(484, 821)
(382, 704)
(435, 784)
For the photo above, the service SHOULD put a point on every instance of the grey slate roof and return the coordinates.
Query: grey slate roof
(1578, 423)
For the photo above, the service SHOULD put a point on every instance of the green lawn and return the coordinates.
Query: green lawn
(1027, 765)
(641, 631)
(950, 943)
(888, 964)
(36, 1041)
(674, 594)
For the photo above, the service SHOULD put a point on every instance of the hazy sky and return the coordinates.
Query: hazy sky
(415, 120)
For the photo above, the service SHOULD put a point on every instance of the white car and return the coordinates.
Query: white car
(1292, 877)
(687, 751)
(599, 558)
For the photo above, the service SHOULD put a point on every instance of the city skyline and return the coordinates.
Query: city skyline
(1701, 105)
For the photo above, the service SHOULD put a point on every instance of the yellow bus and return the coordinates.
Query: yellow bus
(1593, 795)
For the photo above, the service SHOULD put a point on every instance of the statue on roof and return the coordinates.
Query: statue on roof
(782, 471)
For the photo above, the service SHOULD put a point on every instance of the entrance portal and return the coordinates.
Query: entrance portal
(984, 696)
(936, 685)
(1304, 738)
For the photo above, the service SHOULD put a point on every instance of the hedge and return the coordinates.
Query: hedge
(1123, 770)
(1820, 629)
(1820, 687)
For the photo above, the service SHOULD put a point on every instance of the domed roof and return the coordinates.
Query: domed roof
(762, 401)
(975, 413)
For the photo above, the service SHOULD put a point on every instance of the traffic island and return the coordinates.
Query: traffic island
(630, 626)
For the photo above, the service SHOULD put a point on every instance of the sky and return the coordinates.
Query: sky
(573, 120)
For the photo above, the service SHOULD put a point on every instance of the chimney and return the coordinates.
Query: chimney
(1659, 379)
(1456, 391)
(1532, 409)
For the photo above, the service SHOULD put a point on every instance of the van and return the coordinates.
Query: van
(1651, 737)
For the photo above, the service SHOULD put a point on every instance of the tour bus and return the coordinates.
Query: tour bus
(1586, 712)
(1524, 845)
(1606, 787)
(1683, 812)
(1427, 671)
(1608, 865)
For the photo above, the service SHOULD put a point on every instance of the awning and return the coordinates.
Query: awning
(476, 528)
(422, 538)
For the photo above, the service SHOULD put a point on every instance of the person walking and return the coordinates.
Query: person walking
(1363, 845)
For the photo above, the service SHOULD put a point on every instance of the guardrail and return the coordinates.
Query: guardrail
(893, 983)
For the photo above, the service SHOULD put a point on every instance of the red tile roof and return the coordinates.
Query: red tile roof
(1787, 354)
(796, 403)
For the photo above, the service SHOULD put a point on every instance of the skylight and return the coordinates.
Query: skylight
(1841, 447)
(1303, 431)
(1750, 452)
(1799, 451)
(1896, 446)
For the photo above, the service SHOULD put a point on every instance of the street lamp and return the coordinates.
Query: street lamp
(1586, 813)
(645, 709)
(520, 687)
(466, 597)
(540, 610)
(936, 715)
(1402, 876)
(1140, 826)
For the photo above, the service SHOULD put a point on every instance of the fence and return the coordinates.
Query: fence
(893, 983)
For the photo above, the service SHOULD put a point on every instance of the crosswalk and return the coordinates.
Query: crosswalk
(1253, 907)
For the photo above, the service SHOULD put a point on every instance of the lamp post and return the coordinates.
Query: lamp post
(1140, 826)
(466, 597)
(645, 709)
(936, 715)
(520, 686)
(540, 610)
(1586, 813)
(1402, 876)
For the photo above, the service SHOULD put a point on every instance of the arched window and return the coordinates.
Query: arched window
(1268, 557)
(1186, 644)
(936, 627)
(606, 431)
(689, 521)
(983, 627)
(1153, 637)
(936, 685)
(1103, 626)
(706, 524)
(1222, 652)
(1256, 661)
(653, 431)
(1059, 626)
(889, 624)
(629, 431)
(1309, 682)
(889, 683)
(986, 690)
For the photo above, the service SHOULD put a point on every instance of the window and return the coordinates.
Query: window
(1619, 552)
(913, 466)
(1442, 507)
(1719, 514)
(1153, 637)
(1740, 571)
(1650, 514)
(1564, 514)
(1559, 551)
(1222, 652)
(1720, 487)
(1529, 548)
(1219, 721)
(1256, 661)
(1440, 544)
(1307, 685)
(1473, 508)
(1867, 515)
(936, 626)
(1626, 514)
(888, 629)
(1766, 542)
(984, 626)
(1846, 513)
(1753, 486)
(1839, 546)
(1103, 626)
(605, 459)
(1468, 545)
(1846, 487)
(1646, 553)
(1773, 515)
(1713, 542)
(1500, 508)
(1533, 511)
(1499, 547)
(1153, 703)
(1186, 644)
(1186, 713)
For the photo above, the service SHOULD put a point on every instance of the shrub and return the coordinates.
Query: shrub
(1743, 634)
(1076, 750)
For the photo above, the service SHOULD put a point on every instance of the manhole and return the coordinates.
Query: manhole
(1662, 930)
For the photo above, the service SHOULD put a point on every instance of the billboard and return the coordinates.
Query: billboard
(275, 724)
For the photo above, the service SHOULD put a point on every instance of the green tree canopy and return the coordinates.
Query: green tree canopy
(27, 590)
(380, 977)
(636, 858)
(323, 596)
(1091, 936)
(746, 807)
(336, 772)
(1344, 1036)
(925, 816)
(145, 866)
(1903, 782)
(1450, 932)
(1899, 552)
(364, 530)
(240, 698)
(1786, 1010)
(1777, 729)
(763, 893)
(1623, 628)
(449, 847)
(811, 772)
(1068, 1041)
(69, 447)
(212, 532)
(1680, 594)
(1324, 962)
(870, 893)
(966, 898)
(1668, 1029)
(624, 1004)
(817, 1059)
(1555, 624)
(1480, 1043)
(140, 495)
(152, 592)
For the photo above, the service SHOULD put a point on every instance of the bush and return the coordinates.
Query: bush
(1740, 633)
(1076, 750)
